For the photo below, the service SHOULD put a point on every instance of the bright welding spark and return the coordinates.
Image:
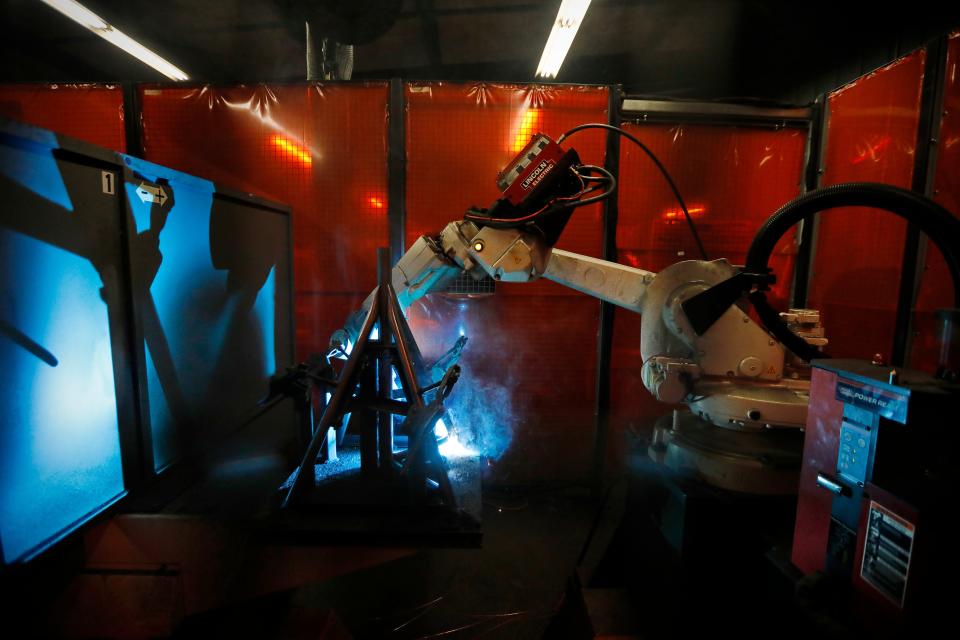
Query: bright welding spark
(453, 448)
(292, 150)
(346, 351)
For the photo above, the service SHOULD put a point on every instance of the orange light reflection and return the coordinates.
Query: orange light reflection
(671, 216)
(530, 124)
(872, 152)
(292, 150)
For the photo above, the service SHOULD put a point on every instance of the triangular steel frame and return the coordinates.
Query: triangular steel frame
(366, 384)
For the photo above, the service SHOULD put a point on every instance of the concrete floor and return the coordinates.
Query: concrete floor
(510, 588)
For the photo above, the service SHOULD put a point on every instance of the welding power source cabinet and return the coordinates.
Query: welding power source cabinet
(878, 491)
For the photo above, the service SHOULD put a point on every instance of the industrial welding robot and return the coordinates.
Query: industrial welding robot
(746, 384)
(731, 373)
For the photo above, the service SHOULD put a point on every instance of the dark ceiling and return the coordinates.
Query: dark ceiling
(769, 51)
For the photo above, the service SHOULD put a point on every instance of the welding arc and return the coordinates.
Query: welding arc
(656, 161)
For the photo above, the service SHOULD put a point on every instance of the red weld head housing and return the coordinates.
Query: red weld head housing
(535, 179)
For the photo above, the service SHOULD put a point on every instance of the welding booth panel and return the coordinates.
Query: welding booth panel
(731, 178)
(322, 149)
(89, 112)
(871, 137)
(66, 385)
(935, 287)
(530, 365)
(210, 278)
(142, 314)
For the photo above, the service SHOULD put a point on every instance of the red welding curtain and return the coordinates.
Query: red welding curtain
(530, 365)
(90, 112)
(871, 137)
(936, 290)
(322, 149)
(732, 179)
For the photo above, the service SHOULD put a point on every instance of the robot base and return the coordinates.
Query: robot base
(763, 462)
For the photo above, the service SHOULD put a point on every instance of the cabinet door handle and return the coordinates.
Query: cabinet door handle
(831, 485)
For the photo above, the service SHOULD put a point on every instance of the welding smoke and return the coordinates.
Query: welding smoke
(482, 407)
(481, 413)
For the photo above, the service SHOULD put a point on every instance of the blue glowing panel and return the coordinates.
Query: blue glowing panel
(178, 294)
(266, 315)
(164, 438)
(211, 296)
(208, 283)
(60, 459)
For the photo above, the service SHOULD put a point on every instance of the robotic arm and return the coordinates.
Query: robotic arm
(732, 374)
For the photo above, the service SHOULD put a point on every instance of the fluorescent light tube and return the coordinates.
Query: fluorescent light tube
(86, 18)
(561, 36)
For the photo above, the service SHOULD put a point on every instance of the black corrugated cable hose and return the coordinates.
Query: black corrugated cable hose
(935, 221)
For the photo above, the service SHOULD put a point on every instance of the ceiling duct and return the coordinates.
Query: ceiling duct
(334, 27)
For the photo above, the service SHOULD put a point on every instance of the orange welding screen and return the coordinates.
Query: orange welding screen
(528, 389)
(320, 149)
(936, 288)
(89, 112)
(731, 179)
(858, 254)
